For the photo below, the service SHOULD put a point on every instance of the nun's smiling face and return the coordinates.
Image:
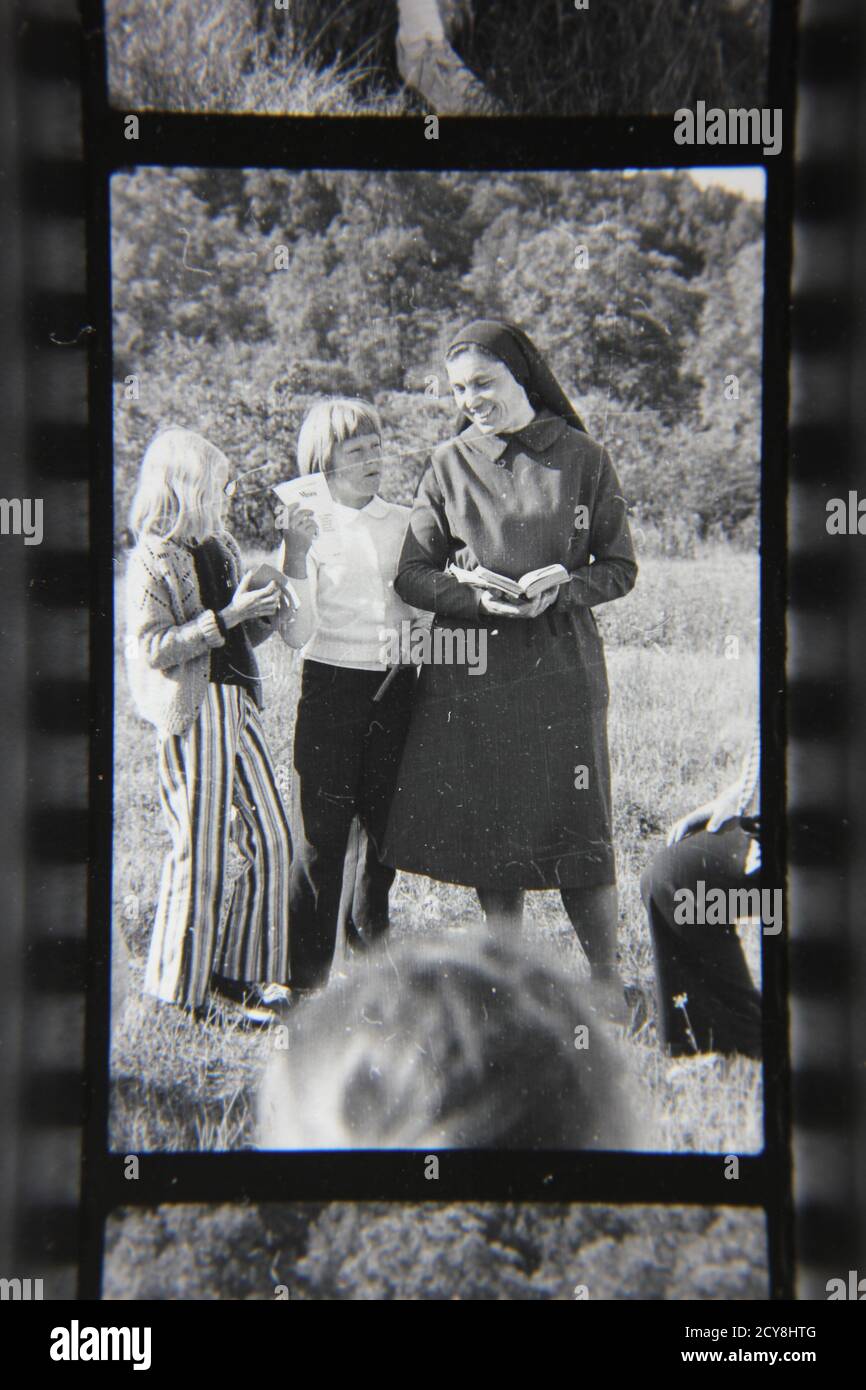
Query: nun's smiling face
(485, 389)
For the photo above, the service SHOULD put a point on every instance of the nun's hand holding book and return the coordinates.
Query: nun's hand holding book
(499, 607)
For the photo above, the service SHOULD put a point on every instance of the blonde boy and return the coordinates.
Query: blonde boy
(348, 744)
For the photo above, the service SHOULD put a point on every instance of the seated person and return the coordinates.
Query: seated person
(706, 999)
(351, 722)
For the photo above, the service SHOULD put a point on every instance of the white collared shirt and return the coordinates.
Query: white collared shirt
(353, 604)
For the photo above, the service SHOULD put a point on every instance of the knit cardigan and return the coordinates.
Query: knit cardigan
(170, 633)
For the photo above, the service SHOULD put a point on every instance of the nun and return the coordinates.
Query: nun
(505, 779)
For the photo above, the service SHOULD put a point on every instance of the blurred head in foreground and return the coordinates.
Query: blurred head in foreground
(459, 1042)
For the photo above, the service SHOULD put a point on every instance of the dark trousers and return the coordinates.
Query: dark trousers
(347, 756)
(702, 966)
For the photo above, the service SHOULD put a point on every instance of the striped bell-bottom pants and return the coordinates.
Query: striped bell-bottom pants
(217, 783)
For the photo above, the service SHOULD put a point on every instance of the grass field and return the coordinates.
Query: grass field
(337, 56)
(189, 57)
(681, 716)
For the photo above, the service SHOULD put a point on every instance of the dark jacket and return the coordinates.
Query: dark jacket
(547, 494)
(487, 793)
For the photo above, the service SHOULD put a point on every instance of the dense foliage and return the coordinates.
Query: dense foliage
(240, 295)
(482, 1251)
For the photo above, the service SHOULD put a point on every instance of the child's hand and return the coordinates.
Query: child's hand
(249, 603)
(686, 825)
(711, 816)
(723, 807)
(300, 532)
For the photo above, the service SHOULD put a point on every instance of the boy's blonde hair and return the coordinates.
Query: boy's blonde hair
(178, 495)
(329, 422)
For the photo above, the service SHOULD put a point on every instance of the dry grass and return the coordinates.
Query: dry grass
(186, 56)
(337, 56)
(681, 714)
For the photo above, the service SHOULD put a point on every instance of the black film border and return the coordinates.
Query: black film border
(826, 582)
(58, 1093)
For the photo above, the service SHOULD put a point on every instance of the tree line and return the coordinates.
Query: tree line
(241, 295)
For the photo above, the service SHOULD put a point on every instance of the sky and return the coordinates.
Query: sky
(748, 181)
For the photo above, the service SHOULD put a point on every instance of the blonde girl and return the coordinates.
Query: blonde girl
(192, 624)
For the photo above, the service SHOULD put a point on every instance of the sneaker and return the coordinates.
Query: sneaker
(260, 1015)
(274, 996)
(258, 1003)
(265, 1004)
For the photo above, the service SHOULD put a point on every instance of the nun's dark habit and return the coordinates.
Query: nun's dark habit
(505, 779)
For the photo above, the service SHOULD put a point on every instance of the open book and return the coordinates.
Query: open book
(528, 586)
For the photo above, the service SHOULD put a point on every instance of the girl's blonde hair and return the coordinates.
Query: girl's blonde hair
(178, 495)
(329, 422)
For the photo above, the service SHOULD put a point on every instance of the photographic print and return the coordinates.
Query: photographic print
(432, 518)
(451, 57)
(458, 1251)
(436, 769)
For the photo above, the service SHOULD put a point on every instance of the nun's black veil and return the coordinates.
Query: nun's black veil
(519, 354)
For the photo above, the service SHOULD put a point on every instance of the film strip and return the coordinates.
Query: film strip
(45, 984)
(826, 576)
(54, 961)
